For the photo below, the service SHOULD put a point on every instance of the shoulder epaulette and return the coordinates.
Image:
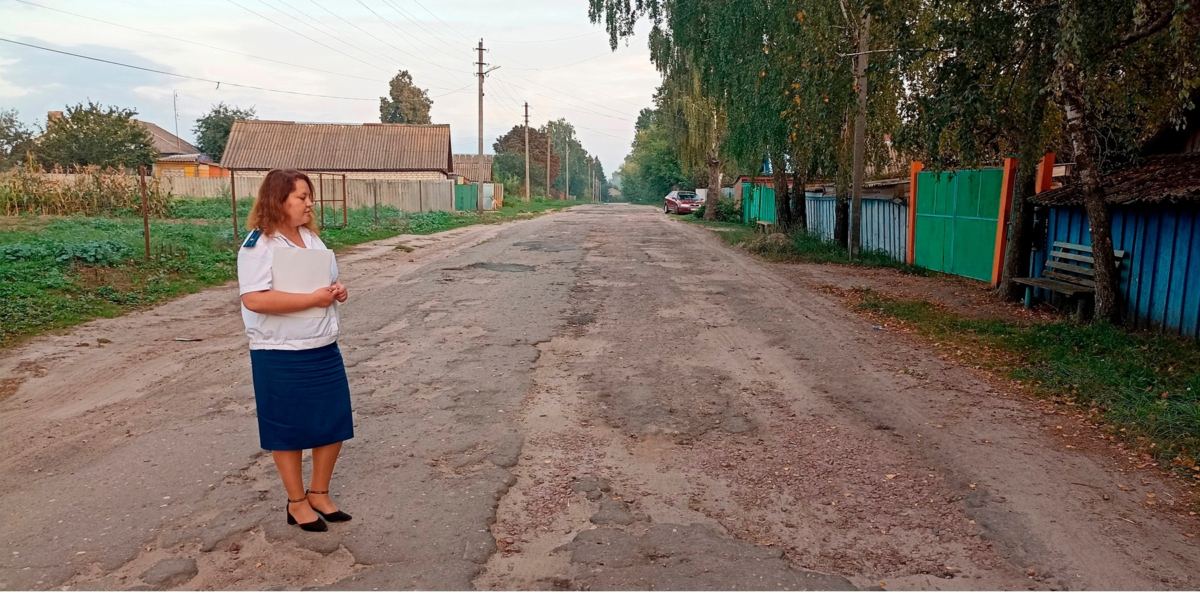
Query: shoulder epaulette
(252, 239)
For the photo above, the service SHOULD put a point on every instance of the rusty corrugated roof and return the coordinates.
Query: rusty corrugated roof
(469, 167)
(1163, 178)
(165, 142)
(263, 145)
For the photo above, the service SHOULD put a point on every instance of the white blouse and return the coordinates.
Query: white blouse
(282, 333)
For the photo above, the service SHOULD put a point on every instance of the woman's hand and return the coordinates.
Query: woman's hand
(339, 292)
(323, 297)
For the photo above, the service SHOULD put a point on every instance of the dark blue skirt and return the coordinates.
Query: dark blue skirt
(303, 398)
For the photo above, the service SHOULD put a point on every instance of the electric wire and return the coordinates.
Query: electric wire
(331, 33)
(198, 44)
(196, 78)
(286, 28)
(338, 16)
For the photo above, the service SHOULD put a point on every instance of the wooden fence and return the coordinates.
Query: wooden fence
(406, 195)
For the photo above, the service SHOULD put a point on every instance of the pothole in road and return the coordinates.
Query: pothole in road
(544, 246)
(502, 267)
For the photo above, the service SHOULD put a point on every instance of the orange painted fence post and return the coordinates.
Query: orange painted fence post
(1006, 195)
(1045, 174)
(912, 211)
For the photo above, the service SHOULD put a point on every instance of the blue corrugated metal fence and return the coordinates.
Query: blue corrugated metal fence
(884, 223)
(1160, 275)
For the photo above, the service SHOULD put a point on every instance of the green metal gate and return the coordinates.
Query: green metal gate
(957, 216)
(758, 204)
(465, 197)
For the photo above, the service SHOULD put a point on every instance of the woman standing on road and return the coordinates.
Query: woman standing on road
(300, 384)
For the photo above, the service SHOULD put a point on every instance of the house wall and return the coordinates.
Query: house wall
(1160, 274)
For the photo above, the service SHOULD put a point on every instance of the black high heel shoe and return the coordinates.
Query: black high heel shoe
(317, 525)
(337, 516)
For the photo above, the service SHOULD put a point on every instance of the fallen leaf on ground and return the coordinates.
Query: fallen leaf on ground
(890, 476)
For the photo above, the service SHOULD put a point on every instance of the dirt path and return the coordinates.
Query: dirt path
(598, 399)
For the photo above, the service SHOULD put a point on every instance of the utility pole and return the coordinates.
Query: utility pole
(591, 189)
(567, 152)
(547, 159)
(175, 104)
(480, 64)
(528, 200)
(860, 133)
(482, 74)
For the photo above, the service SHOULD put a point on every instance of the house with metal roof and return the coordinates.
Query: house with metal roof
(167, 144)
(474, 169)
(380, 151)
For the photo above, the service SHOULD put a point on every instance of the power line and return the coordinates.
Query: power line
(332, 33)
(209, 80)
(403, 33)
(607, 53)
(554, 40)
(289, 29)
(405, 13)
(338, 16)
(439, 19)
(204, 45)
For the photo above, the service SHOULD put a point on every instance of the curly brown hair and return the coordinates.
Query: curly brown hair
(267, 213)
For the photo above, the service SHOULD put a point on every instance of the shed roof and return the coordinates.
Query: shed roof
(165, 142)
(1162, 178)
(193, 158)
(263, 145)
(469, 167)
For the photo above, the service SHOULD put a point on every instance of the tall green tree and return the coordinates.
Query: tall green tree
(212, 129)
(406, 103)
(652, 168)
(16, 139)
(1122, 68)
(96, 135)
(510, 158)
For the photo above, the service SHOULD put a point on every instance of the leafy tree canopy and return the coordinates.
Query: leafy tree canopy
(16, 139)
(405, 103)
(212, 130)
(96, 135)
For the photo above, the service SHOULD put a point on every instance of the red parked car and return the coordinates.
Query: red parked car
(681, 202)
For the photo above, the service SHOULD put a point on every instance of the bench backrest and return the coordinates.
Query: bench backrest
(1074, 263)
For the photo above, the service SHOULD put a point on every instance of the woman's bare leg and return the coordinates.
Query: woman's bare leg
(324, 459)
(290, 464)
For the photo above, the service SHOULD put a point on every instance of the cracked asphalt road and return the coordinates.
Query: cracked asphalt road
(600, 398)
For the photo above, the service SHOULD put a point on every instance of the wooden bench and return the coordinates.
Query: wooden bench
(765, 227)
(1069, 271)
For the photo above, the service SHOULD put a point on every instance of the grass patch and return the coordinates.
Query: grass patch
(1146, 387)
(56, 272)
(799, 246)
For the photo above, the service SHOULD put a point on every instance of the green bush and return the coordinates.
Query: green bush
(727, 212)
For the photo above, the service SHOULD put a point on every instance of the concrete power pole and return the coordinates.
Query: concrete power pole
(860, 134)
(528, 200)
(567, 152)
(591, 189)
(547, 160)
(480, 64)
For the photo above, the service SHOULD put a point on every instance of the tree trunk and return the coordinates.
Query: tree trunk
(714, 188)
(841, 224)
(799, 202)
(1020, 230)
(783, 207)
(1098, 211)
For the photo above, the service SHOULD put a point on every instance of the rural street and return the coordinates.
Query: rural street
(601, 398)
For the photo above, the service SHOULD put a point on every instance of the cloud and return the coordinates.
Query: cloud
(47, 81)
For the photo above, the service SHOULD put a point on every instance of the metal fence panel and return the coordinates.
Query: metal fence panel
(1160, 274)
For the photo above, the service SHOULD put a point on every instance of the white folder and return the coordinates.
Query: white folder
(299, 270)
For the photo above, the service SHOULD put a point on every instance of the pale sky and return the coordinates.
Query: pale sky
(548, 53)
